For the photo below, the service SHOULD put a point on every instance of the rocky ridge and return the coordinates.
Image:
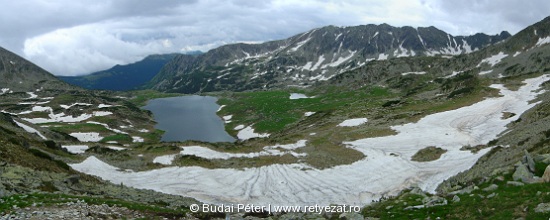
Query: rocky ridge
(307, 58)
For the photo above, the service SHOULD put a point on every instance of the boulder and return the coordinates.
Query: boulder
(466, 190)
(456, 198)
(417, 191)
(71, 180)
(543, 158)
(515, 183)
(434, 201)
(492, 187)
(527, 159)
(522, 173)
(546, 175)
(543, 207)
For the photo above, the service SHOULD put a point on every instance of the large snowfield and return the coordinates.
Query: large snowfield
(386, 169)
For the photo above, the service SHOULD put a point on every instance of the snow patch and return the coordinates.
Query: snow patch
(210, 154)
(101, 113)
(353, 122)
(340, 60)
(238, 127)
(308, 66)
(383, 56)
(319, 62)
(105, 106)
(485, 72)
(493, 60)
(454, 74)
(4, 91)
(299, 44)
(32, 95)
(76, 149)
(87, 136)
(543, 41)
(137, 139)
(413, 73)
(116, 148)
(107, 127)
(75, 104)
(30, 130)
(165, 159)
(307, 114)
(248, 133)
(297, 96)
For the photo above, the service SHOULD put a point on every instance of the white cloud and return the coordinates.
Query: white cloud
(76, 37)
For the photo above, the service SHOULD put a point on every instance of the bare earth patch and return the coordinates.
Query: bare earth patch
(428, 154)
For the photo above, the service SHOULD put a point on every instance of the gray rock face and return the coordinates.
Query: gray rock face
(546, 175)
(522, 173)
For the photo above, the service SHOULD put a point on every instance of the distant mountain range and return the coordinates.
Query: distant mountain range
(122, 77)
(310, 57)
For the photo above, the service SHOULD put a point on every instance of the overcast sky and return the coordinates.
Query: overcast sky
(74, 37)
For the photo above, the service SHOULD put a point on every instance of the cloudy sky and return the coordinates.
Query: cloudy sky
(74, 37)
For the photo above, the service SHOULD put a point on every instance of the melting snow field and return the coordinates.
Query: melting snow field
(208, 153)
(378, 174)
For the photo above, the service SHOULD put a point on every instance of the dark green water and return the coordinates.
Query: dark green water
(189, 118)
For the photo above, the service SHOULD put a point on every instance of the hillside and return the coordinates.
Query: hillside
(20, 75)
(122, 77)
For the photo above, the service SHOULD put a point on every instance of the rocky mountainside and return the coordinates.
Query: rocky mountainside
(20, 75)
(122, 77)
(307, 58)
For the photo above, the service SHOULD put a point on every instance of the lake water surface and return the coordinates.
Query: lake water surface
(189, 118)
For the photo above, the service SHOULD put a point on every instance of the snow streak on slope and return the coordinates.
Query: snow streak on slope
(379, 174)
(493, 60)
(30, 129)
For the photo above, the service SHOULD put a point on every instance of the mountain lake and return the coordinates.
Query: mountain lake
(189, 118)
